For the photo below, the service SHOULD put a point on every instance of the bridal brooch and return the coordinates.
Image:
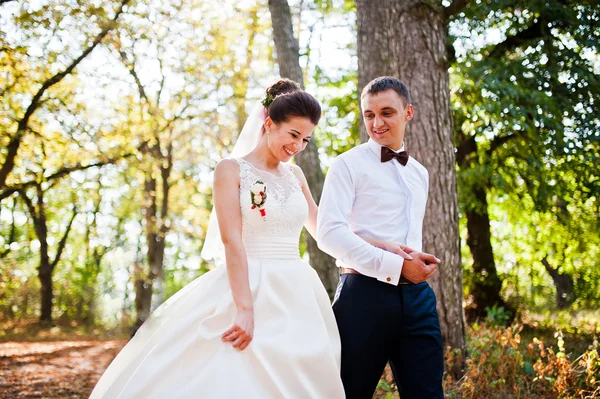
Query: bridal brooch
(258, 193)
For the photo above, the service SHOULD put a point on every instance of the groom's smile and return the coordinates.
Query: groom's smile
(380, 131)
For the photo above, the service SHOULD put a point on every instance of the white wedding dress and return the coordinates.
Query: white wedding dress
(295, 353)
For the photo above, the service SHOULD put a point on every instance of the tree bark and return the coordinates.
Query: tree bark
(565, 292)
(407, 39)
(289, 67)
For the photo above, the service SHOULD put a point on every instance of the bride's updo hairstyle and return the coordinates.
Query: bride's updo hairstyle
(285, 99)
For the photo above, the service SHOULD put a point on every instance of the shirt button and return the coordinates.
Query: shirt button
(388, 279)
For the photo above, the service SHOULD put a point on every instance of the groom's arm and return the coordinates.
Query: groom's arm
(337, 239)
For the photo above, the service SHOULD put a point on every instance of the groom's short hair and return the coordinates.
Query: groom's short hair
(384, 83)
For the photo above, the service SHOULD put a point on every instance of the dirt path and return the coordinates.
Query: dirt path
(64, 369)
(59, 369)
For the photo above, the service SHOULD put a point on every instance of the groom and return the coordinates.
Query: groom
(385, 309)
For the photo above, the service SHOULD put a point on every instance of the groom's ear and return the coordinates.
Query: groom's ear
(410, 112)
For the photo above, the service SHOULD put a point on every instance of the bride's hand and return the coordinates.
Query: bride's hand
(394, 247)
(399, 249)
(242, 331)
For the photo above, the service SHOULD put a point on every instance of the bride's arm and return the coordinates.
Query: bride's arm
(313, 210)
(227, 205)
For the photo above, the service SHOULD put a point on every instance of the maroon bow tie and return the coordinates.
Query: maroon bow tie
(387, 154)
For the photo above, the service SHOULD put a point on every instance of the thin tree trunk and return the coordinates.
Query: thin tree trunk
(46, 266)
(150, 283)
(143, 297)
(144, 281)
(47, 295)
(157, 228)
(487, 286)
(289, 67)
(407, 39)
(565, 292)
(93, 262)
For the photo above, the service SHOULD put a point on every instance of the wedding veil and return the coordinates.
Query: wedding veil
(249, 136)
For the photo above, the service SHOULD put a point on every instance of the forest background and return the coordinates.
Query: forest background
(114, 114)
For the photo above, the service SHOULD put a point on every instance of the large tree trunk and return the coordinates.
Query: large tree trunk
(565, 292)
(289, 67)
(407, 39)
(487, 286)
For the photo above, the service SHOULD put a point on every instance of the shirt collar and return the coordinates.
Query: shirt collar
(376, 147)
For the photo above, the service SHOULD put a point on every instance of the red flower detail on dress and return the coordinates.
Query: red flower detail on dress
(258, 197)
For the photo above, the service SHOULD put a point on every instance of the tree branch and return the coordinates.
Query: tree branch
(130, 65)
(63, 240)
(29, 204)
(58, 174)
(15, 142)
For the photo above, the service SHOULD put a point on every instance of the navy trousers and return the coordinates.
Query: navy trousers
(379, 322)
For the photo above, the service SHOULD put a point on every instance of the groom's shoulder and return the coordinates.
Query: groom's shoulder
(353, 153)
(418, 165)
(421, 170)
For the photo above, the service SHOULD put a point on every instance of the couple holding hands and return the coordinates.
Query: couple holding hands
(262, 326)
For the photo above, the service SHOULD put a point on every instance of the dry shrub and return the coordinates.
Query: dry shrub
(499, 366)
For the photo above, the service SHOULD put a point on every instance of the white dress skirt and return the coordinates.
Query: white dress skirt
(295, 352)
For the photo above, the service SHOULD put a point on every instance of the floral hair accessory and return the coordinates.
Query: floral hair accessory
(258, 195)
(266, 102)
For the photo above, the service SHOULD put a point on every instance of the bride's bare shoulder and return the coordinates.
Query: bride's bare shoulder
(227, 168)
(299, 174)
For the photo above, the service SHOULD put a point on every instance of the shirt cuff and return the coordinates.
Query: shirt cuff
(391, 268)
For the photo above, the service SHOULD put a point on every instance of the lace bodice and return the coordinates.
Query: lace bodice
(277, 234)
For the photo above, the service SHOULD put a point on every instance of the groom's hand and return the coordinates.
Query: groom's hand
(420, 268)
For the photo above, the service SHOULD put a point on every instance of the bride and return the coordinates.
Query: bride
(261, 327)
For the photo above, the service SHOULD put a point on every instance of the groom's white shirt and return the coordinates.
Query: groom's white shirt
(364, 197)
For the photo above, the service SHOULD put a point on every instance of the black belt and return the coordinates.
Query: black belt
(403, 280)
